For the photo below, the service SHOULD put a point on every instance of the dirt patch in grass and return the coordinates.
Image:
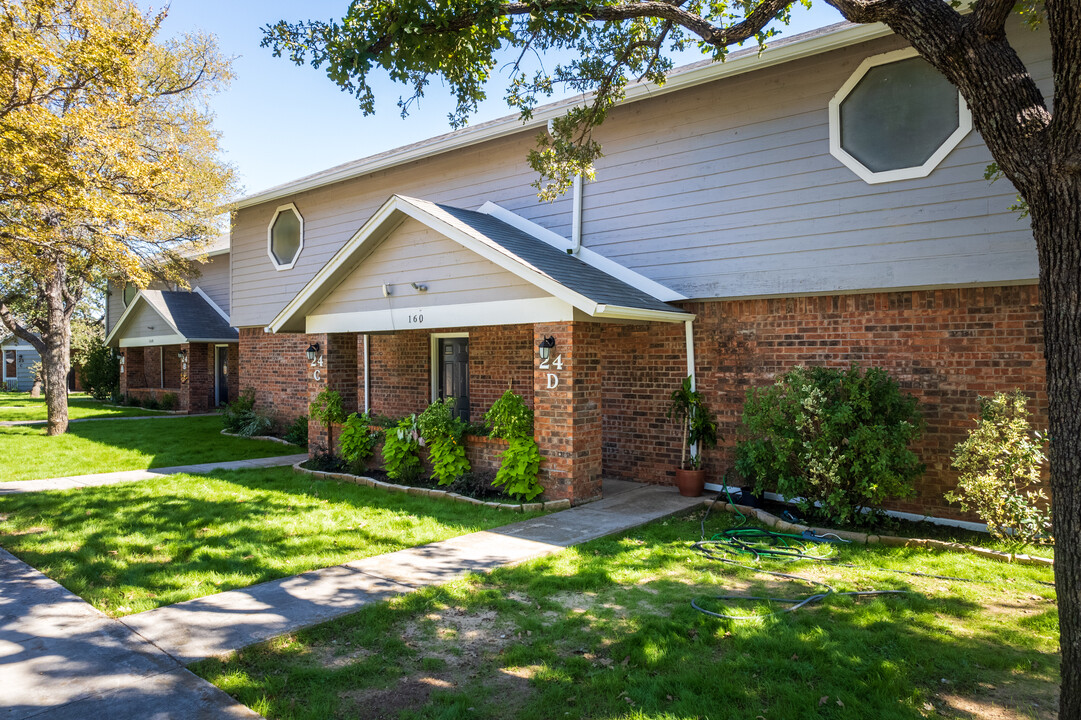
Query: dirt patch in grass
(453, 647)
(1015, 699)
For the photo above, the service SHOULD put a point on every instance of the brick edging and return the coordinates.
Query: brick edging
(892, 540)
(259, 437)
(432, 492)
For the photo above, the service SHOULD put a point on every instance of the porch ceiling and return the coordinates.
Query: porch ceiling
(417, 265)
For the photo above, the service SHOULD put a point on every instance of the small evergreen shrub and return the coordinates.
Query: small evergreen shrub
(327, 409)
(151, 403)
(834, 441)
(1001, 463)
(169, 401)
(442, 433)
(358, 440)
(297, 434)
(511, 419)
(401, 445)
(100, 371)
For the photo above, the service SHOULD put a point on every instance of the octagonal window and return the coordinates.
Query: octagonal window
(896, 118)
(130, 291)
(285, 237)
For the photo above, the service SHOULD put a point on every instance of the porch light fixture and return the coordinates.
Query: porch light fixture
(313, 352)
(182, 355)
(545, 346)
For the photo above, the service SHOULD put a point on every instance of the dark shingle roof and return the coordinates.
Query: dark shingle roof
(564, 268)
(191, 315)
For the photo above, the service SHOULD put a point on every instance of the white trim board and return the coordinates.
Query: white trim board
(433, 342)
(501, 312)
(153, 341)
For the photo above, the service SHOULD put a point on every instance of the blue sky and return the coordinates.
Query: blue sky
(280, 122)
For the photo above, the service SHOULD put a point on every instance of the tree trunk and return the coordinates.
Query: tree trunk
(1056, 225)
(56, 360)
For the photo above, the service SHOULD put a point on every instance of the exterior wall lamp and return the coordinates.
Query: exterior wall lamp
(312, 352)
(545, 347)
(182, 355)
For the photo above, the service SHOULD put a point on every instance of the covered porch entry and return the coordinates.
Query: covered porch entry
(428, 301)
(178, 349)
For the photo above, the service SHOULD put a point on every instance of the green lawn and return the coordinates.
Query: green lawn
(20, 406)
(606, 630)
(131, 547)
(26, 453)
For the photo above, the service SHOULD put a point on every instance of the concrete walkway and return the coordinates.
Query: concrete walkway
(80, 481)
(60, 658)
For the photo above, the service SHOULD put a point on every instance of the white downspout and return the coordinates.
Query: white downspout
(367, 385)
(576, 216)
(688, 327)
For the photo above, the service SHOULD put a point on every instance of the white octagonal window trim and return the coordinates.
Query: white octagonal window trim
(943, 146)
(285, 237)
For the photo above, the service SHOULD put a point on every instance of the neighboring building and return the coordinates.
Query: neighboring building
(17, 356)
(177, 342)
(821, 203)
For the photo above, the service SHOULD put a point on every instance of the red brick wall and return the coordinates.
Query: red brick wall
(499, 357)
(944, 346)
(400, 372)
(275, 366)
(170, 367)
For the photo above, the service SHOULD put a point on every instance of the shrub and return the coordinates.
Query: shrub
(1001, 463)
(100, 371)
(297, 434)
(357, 439)
(151, 403)
(401, 445)
(834, 441)
(442, 433)
(240, 417)
(169, 401)
(324, 461)
(327, 409)
(696, 422)
(511, 419)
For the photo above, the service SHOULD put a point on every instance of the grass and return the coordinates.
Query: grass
(606, 630)
(132, 547)
(26, 453)
(20, 406)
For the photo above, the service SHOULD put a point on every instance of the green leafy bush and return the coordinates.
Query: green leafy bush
(401, 445)
(357, 439)
(240, 417)
(696, 422)
(297, 434)
(511, 419)
(100, 371)
(442, 433)
(151, 403)
(834, 441)
(327, 409)
(169, 401)
(1001, 463)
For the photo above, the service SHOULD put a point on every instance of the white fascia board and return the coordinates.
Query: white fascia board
(507, 312)
(154, 340)
(589, 257)
(616, 312)
(737, 63)
(126, 315)
(199, 291)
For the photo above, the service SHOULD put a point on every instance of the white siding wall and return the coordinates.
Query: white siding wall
(214, 280)
(25, 356)
(722, 190)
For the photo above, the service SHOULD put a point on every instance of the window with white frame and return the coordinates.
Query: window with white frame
(896, 118)
(285, 237)
(130, 291)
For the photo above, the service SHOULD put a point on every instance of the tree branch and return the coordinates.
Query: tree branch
(989, 16)
(19, 330)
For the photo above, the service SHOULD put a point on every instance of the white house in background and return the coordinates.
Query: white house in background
(17, 355)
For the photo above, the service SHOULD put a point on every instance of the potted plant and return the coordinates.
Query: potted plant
(699, 431)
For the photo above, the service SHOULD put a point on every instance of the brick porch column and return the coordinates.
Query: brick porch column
(338, 371)
(133, 374)
(196, 378)
(567, 411)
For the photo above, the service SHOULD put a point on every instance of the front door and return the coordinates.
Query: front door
(221, 373)
(454, 374)
(11, 370)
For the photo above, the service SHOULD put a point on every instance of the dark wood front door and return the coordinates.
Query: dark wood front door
(454, 374)
(221, 369)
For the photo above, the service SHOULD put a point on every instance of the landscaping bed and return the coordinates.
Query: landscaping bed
(26, 453)
(136, 546)
(606, 630)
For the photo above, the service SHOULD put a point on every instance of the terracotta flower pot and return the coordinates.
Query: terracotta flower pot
(691, 483)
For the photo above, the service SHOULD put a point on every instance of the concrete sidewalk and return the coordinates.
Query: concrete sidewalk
(80, 481)
(60, 658)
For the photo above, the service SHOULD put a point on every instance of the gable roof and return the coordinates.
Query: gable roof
(796, 47)
(191, 316)
(586, 288)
